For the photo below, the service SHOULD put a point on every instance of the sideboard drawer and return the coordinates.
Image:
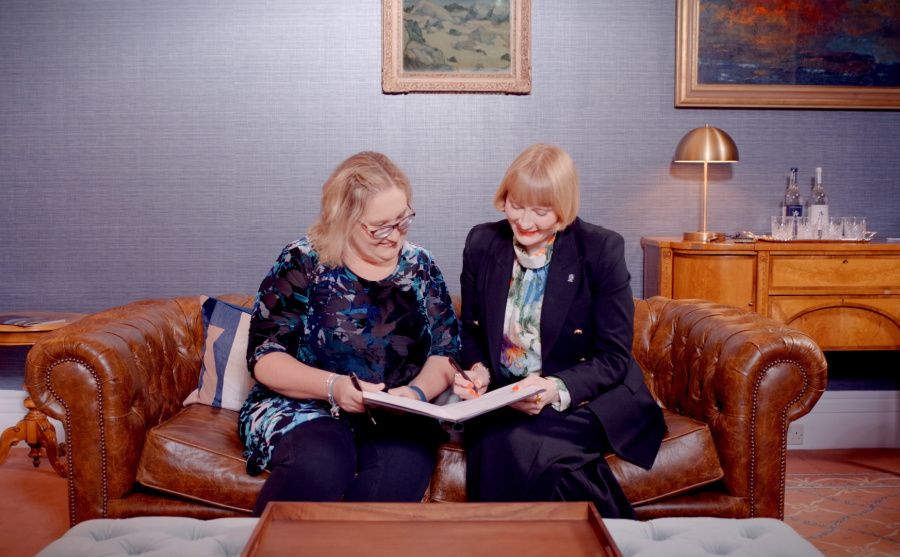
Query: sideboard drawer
(728, 279)
(875, 273)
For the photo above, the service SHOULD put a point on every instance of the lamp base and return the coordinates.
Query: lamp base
(703, 236)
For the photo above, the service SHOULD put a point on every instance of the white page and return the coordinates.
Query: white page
(457, 411)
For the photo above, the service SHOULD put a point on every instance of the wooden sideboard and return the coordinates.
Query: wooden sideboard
(846, 296)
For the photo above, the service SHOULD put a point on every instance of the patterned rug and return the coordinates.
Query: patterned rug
(846, 514)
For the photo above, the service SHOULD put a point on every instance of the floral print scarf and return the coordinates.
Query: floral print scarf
(521, 351)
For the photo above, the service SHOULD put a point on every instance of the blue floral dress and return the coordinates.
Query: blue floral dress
(330, 319)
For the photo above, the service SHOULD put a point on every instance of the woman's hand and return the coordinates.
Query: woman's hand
(535, 403)
(405, 392)
(480, 379)
(348, 397)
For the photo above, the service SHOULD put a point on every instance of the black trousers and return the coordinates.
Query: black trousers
(351, 460)
(553, 456)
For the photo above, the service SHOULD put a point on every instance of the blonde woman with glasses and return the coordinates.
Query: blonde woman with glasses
(546, 300)
(352, 306)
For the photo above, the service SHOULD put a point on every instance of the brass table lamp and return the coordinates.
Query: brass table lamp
(706, 145)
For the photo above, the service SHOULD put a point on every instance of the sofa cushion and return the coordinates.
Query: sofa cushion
(197, 454)
(448, 481)
(224, 380)
(686, 460)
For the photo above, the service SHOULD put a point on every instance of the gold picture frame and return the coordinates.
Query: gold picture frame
(691, 92)
(477, 46)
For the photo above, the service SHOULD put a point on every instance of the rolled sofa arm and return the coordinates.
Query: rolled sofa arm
(109, 378)
(745, 375)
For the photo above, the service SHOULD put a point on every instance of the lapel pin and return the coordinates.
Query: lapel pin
(571, 278)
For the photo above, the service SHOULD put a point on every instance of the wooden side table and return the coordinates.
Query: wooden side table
(35, 429)
(845, 295)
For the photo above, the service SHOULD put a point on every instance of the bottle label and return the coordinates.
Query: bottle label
(819, 214)
(794, 210)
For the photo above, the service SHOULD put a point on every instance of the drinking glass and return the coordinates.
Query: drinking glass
(834, 229)
(782, 228)
(854, 228)
(806, 228)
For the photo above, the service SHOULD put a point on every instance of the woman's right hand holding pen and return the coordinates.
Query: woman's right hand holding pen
(471, 383)
(348, 397)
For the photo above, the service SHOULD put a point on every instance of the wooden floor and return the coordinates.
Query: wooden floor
(846, 503)
(844, 461)
(34, 506)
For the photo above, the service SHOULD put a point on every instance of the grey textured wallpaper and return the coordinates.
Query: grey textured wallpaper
(158, 148)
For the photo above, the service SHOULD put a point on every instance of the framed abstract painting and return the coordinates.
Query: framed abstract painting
(456, 46)
(788, 54)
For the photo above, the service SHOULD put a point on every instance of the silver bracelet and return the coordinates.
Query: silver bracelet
(329, 389)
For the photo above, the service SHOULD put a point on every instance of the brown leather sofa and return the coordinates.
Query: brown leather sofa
(729, 382)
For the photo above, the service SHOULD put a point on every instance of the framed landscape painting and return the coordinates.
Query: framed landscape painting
(456, 46)
(788, 54)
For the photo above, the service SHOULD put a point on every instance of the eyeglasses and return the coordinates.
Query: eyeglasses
(380, 232)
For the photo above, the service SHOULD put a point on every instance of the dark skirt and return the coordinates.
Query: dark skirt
(554, 456)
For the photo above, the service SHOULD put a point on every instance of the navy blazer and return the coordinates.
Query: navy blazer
(587, 327)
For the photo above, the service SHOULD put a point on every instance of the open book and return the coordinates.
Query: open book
(458, 411)
(27, 320)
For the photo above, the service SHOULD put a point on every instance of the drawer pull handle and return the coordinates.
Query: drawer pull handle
(845, 261)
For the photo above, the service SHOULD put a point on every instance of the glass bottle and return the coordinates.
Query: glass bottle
(818, 203)
(793, 201)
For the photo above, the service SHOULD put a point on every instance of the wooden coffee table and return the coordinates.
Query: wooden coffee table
(431, 530)
(35, 429)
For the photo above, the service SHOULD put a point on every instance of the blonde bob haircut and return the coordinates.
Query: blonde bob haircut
(542, 176)
(344, 196)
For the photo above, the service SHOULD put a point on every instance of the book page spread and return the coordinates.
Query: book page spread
(457, 411)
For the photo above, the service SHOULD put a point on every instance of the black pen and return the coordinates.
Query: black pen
(460, 371)
(355, 380)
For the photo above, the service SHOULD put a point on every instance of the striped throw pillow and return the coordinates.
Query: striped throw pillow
(224, 379)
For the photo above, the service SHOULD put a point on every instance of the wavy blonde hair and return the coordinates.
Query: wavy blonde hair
(344, 198)
(545, 176)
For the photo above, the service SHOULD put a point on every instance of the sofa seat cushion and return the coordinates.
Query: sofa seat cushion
(448, 483)
(197, 454)
(687, 459)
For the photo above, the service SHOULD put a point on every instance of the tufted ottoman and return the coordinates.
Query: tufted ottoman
(153, 536)
(662, 537)
(698, 537)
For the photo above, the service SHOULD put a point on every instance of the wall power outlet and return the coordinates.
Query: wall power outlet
(795, 434)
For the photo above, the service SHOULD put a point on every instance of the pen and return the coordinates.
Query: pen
(355, 380)
(460, 371)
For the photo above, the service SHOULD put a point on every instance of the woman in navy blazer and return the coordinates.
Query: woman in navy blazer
(546, 300)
